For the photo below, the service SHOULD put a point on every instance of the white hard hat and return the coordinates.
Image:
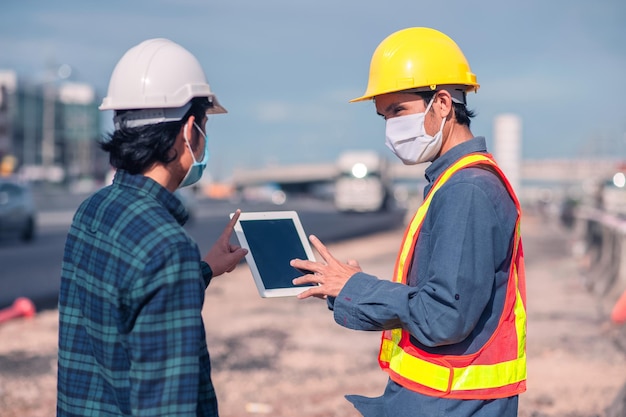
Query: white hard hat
(157, 80)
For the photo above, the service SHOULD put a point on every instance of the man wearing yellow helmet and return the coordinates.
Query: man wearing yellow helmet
(453, 315)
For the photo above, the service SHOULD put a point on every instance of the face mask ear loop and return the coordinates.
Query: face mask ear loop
(443, 121)
(204, 134)
(189, 144)
(430, 103)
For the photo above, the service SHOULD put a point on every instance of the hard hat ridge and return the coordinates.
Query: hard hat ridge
(143, 117)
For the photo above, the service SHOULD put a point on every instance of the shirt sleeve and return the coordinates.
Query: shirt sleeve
(166, 339)
(454, 285)
(207, 273)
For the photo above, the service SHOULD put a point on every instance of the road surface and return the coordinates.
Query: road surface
(33, 269)
(287, 357)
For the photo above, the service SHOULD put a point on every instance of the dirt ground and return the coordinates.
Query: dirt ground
(287, 357)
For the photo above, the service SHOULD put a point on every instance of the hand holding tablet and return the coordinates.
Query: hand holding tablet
(224, 257)
(328, 277)
(273, 239)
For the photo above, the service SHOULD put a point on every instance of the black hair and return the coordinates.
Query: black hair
(135, 149)
(462, 114)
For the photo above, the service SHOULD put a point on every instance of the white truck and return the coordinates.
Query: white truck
(363, 182)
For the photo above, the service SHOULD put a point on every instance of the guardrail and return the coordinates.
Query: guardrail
(602, 255)
(602, 252)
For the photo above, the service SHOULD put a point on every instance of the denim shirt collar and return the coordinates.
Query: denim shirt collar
(152, 188)
(439, 165)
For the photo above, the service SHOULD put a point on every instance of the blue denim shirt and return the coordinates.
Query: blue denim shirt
(456, 285)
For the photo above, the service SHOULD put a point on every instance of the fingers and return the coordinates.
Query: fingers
(231, 225)
(223, 255)
(312, 292)
(228, 231)
(234, 219)
(221, 260)
(304, 265)
(234, 248)
(237, 255)
(321, 248)
(306, 279)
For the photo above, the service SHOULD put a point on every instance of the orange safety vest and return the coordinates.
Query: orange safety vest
(497, 369)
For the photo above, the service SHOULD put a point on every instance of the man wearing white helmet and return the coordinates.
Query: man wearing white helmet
(453, 315)
(131, 335)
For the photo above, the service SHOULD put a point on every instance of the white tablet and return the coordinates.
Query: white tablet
(273, 239)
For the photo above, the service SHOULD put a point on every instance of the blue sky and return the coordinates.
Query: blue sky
(285, 69)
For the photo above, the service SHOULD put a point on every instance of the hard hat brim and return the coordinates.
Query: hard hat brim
(144, 117)
(455, 91)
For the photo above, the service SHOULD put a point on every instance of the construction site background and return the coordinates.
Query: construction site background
(287, 357)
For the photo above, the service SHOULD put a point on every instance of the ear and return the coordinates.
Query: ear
(443, 104)
(187, 128)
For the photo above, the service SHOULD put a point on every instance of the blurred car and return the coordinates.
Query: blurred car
(17, 210)
(263, 194)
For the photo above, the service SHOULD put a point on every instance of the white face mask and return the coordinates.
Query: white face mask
(408, 140)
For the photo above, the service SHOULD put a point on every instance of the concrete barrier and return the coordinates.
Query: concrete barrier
(602, 237)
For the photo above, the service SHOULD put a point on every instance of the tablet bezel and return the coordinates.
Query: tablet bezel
(258, 280)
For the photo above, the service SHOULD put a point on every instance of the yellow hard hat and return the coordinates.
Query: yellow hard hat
(417, 58)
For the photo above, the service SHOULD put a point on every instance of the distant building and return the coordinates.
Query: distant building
(51, 129)
(8, 85)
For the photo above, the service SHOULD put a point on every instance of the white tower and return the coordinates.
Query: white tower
(507, 132)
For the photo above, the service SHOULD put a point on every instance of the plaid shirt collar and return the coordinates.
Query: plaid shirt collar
(152, 188)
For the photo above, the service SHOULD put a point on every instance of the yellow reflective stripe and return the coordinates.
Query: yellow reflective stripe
(489, 376)
(408, 243)
(519, 309)
(416, 369)
(470, 377)
(435, 376)
(390, 345)
(463, 162)
(520, 322)
(466, 378)
(418, 218)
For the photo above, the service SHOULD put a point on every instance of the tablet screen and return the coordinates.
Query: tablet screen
(273, 243)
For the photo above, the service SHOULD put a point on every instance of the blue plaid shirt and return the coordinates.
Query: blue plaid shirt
(131, 335)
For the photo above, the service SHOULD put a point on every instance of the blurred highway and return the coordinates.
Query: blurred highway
(33, 269)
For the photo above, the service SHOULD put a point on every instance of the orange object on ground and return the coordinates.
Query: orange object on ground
(618, 315)
(22, 307)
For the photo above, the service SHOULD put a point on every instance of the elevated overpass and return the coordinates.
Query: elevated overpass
(561, 171)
